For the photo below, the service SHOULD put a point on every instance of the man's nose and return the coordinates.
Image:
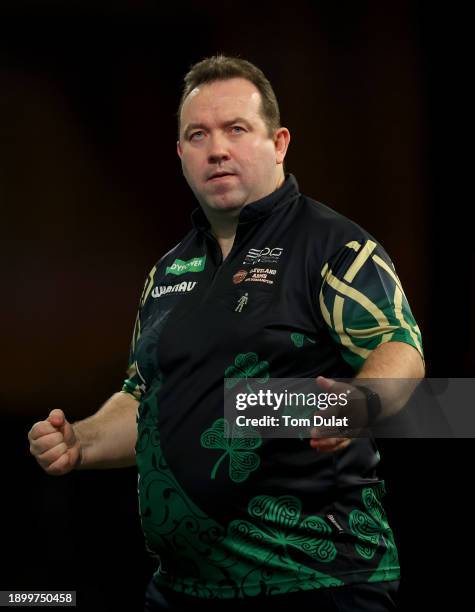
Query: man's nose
(218, 149)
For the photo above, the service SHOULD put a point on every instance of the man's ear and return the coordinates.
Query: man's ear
(281, 142)
(178, 149)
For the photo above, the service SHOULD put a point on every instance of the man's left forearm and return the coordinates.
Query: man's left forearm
(401, 366)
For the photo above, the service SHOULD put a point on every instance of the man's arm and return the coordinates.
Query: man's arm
(392, 361)
(398, 362)
(108, 438)
(104, 440)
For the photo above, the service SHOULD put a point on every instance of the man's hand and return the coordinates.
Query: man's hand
(331, 444)
(54, 444)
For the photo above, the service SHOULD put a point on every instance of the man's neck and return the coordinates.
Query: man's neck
(223, 227)
(225, 232)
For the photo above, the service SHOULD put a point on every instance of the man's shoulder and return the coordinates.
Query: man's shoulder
(181, 249)
(327, 217)
(330, 228)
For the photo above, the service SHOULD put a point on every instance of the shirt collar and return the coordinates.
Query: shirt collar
(259, 209)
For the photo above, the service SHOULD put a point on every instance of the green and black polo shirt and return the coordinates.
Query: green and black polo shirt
(303, 292)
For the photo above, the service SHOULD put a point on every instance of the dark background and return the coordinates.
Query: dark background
(91, 195)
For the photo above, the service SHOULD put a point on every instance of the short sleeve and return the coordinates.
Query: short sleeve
(134, 384)
(363, 303)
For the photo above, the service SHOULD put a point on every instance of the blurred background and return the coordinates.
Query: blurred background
(91, 195)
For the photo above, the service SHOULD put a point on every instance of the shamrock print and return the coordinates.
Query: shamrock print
(299, 339)
(281, 528)
(369, 526)
(239, 448)
(246, 365)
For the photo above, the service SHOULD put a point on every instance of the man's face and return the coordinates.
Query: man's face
(227, 156)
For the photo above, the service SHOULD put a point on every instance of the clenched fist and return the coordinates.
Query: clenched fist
(54, 444)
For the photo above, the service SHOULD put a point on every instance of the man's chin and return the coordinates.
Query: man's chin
(229, 205)
(225, 202)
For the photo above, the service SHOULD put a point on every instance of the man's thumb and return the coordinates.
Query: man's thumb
(325, 383)
(56, 418)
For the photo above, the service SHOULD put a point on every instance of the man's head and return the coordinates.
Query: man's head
(229, 123)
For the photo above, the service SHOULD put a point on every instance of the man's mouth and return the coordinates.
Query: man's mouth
(220, 175)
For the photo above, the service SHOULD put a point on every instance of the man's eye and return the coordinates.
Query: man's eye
(238, 128)
(196, 135)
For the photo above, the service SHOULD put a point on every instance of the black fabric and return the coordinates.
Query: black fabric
(360, 597)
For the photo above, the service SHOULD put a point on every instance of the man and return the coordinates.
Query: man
(267, 283)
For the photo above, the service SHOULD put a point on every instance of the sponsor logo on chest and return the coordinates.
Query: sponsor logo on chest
(255, 275)
(265, 255)
(183, 287)
(180, 266)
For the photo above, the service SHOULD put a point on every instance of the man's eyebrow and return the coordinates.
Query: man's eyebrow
(195, 126)
(238, 120)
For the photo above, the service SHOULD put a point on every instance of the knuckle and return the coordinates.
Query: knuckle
(43, 464)
(54, 453)
(34, 430)
(40, 429)
(47, 442)
(54, 439)
(57, 467)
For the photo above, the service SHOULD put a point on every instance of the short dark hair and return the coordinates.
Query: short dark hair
(221, 68)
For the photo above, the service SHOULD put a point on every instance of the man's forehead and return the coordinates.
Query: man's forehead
(230, 94)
